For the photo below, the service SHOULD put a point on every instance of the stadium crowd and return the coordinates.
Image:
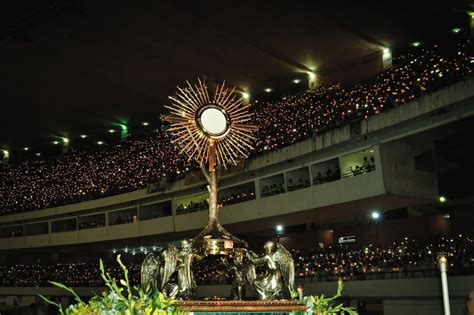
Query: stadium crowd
(403, 259)
(192, 207)
(237, 198)
(137, 162)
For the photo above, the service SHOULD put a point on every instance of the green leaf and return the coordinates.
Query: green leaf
(68, 289)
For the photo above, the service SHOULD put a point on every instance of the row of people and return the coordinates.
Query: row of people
(192, 207)
(403, 259)
(91, 224)
(301, 183)
(272, 189)
(237, 198)
(329, 176)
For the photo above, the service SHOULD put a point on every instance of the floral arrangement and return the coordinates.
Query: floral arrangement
(119, 298)
(321, 305)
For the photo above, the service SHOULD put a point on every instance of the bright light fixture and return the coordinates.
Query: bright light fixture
(145, 123)
(100, 142)
(83, 136)
(268, 90)
(55, 142)
(375, 215)
(416, 44)
(111, 130)
(456, 30)
(442, 199)
(26, 148)
(296, 81)
(213, 120)
(279, 228)
(311, 75)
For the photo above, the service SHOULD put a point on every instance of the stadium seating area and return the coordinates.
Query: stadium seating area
(406, 258)
(136, 162)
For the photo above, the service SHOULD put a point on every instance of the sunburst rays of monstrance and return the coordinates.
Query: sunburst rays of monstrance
(212, 126)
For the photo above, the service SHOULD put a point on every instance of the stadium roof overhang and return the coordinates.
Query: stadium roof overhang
(93, 62)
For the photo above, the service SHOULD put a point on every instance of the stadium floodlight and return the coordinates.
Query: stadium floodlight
(375, 215)
(311, 75)
(386, 57)
(123, 129)
(442, 199)
(268, 90)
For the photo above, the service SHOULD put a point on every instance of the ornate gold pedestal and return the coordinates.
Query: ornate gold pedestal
(241, 306)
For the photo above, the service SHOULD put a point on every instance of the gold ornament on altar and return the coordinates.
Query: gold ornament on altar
(211, 126)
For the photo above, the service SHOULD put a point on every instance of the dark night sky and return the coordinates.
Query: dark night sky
(94, 61)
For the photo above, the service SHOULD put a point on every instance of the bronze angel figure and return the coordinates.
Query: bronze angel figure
(278, 269)
(237, 264)
(158, 268)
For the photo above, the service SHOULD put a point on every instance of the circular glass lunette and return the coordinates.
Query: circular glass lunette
(213, 120)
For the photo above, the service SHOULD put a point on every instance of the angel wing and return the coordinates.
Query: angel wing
(286, 265)
(149, 271)
(250, 273)
(169, 262)
(158, 268)
(250, 269)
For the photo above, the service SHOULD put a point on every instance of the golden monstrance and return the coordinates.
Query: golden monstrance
(212, 126)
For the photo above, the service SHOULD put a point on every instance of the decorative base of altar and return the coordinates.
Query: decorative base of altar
(238, 307)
